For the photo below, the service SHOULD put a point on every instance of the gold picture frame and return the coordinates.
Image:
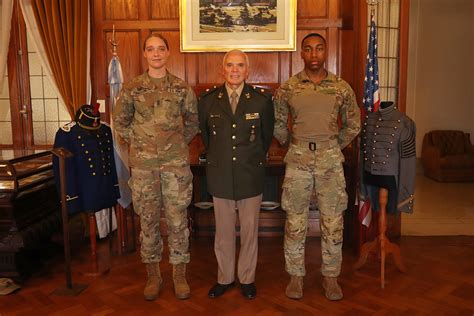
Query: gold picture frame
(249, 25)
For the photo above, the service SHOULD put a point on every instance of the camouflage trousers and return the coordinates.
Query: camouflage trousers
(170, 189)
(318, 172)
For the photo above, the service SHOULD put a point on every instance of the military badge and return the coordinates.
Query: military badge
(252, 116)
(252, 134)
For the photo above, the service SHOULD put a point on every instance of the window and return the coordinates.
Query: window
(5, 116)
(48, 111)
(387, 19)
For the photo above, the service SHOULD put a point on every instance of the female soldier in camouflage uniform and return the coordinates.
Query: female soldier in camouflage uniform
(156, 114)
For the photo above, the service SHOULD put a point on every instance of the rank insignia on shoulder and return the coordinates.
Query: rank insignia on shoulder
(247, 95)
(262, 91)
(207, 91)
(67, 127)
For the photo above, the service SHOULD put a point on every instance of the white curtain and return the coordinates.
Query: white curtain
(6, 9)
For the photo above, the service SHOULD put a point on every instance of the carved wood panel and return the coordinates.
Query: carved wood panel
(313, 8)
(140, 17)
(129, 52)
(209, 65)
(264, 68)
(121, 9)
(164, 9)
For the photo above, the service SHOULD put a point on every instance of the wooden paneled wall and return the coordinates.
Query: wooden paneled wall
(135, 19)
(338, 20)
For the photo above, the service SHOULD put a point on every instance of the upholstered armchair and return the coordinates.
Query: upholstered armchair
(448, 156)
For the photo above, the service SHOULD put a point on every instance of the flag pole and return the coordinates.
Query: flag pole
(381, 244)
(113, 42)
(373, 4)
(115, 78)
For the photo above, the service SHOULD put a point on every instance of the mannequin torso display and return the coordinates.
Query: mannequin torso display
(91, 178)
(388, 157)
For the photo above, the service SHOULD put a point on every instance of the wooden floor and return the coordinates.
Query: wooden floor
(440, 281)
(441, 209)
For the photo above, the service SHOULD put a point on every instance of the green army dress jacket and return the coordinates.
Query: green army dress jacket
(156, 121)
(237, 143)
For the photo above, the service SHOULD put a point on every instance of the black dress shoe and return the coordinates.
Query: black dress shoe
(219, 289)
(249, 291)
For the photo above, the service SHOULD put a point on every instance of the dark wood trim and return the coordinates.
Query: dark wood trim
(93, 62)
(170, 24)
(309, 24)
(403, 61)
(97, 44)
(362, 50)
(18, 79)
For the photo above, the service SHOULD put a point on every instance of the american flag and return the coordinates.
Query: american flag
(371, 102)
(371, 98)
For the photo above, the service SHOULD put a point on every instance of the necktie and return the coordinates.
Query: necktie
(233, 100)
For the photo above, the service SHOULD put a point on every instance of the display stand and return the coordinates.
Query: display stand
(126, 241)
(381, 244)
(71, 289)
(96, 267)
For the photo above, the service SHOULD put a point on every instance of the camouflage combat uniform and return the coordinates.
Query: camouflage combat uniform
(158, 118)
(314, 163)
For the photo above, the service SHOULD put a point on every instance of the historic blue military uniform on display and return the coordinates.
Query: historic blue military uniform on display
(91, 177)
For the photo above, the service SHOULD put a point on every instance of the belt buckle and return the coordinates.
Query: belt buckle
(312, 146)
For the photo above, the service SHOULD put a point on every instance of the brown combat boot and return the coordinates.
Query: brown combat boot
(294, 289)
(333, 291)
(181, 287)
(154, 281)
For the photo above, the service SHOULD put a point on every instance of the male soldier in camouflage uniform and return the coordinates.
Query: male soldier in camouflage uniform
(156, 114)
(315, 98)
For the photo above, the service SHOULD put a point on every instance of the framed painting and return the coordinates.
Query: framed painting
(249, 25)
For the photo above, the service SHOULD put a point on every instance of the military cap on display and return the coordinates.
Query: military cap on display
(88, 116)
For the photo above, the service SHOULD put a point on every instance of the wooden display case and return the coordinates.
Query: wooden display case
(29, 210)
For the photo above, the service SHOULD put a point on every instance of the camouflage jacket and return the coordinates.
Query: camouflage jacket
(156, 121)
(338, 99)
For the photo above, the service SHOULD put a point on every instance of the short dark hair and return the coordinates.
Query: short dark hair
(156, 35)
(313, 35)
